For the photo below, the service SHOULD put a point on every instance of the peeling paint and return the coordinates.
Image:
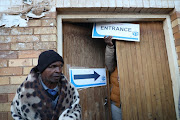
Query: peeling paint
(53, 9)
(52, 24)
(12, 20)
(21, 45)
(3, 56)
(29, 2)
(35, 38)
(4, 9)
(32, 15)
(16, 20)
(6, 40)
(21, 17)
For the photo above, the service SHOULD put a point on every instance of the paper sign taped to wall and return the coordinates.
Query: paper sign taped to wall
(119, 31)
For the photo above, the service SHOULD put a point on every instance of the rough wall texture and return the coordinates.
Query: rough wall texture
(175, 19)
(19, 49)
(20, 44)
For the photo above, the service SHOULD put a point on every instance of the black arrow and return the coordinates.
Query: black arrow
(87, 76)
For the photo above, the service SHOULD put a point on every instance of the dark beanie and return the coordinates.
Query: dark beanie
(46, 58)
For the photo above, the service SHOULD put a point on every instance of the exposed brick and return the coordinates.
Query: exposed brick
(45, 30)
(3, 115)
(177, 42)
(11, 97)
(176, 29)
(23, 38)
(35, 62)
(17, 79)
(7, 39)
(51, 15)
(178, 49)
(10, 116)
(26, 70)
(178, 62)
(11, 71)
(45, 45)
(21, 46)
(8, 54)
(22, 31)
(4, 80)
(34, 23)
(175, 22)
(4, 31)
(5, 107)
(2, 39)
(49, 22)
(4, 98)
(178, 55)
(15, 8)
(28, 38)
(11, 39)
(177, 35)
(20, 62)
(3, 63)
(178, 14)
(48, 38)
(28, 54)
(175, 15)
(4, 46)
(8, 89)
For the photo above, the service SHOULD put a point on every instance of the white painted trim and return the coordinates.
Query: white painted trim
(172, 58)
(114, 17)
(59, 36)
(111, 17)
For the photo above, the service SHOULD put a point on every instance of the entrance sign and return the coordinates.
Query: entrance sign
(119, 31)
(82, 78)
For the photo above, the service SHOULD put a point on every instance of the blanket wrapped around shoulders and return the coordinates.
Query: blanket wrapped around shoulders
(32, 102)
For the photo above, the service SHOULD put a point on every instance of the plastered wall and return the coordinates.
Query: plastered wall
(28, 27)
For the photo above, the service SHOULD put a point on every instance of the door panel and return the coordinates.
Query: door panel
(81, 51)
(145, 81)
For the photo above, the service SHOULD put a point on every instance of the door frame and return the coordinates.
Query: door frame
(117, 17)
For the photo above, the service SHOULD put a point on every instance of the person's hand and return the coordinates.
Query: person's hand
(108, 40)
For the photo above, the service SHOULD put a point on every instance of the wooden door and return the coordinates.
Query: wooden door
(145, 81)
(81, 51)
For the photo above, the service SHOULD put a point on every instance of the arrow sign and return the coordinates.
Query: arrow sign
(87, 76)
(92, 77)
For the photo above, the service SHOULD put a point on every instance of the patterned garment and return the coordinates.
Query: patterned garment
(32, 102)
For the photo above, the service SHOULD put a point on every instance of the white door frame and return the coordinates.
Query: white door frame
(117, 17)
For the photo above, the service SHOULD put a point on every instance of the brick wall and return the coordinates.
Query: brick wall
(175, 19)
(19, 51)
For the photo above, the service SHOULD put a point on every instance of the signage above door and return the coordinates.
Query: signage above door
(119, 31)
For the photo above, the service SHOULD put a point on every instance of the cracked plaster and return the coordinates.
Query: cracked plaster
(20, 18)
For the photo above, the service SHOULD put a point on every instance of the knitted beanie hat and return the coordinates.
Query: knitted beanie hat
(46, 58)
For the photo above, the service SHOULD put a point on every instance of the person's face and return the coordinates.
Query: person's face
(53, 72)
